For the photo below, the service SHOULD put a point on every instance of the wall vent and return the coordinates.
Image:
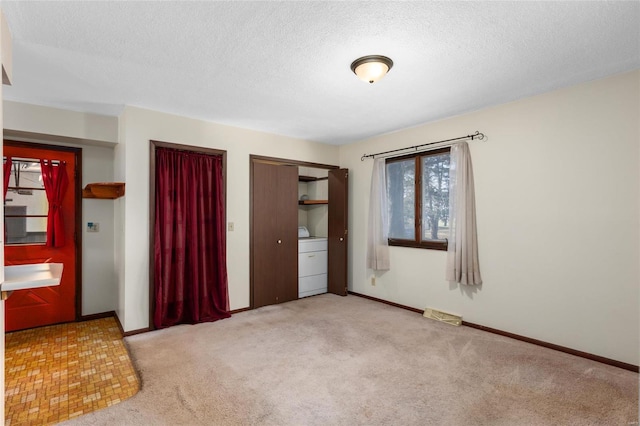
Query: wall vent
(442, 316)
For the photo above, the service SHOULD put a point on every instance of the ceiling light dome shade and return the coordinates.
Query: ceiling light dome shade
(371, 68)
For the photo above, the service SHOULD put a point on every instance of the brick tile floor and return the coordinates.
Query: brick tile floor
(62, 371)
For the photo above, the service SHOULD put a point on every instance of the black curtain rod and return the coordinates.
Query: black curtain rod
(476, 135)
(29, 161)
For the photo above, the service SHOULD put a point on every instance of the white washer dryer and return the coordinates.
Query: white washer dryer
(312, 266)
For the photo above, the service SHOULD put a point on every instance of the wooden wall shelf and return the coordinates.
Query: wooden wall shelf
(312, 202)
(104, 190)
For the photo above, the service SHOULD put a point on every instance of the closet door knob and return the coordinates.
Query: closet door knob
(341, 239)
(279, 241)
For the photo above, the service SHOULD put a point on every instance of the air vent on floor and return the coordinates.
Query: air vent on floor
(442, 316)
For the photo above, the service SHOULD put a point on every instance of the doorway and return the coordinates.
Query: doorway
(188, 271)
(43, 227)
(284, 265)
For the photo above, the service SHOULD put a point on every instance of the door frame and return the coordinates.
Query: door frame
(275, 161)
(153, 145)
(77, 177)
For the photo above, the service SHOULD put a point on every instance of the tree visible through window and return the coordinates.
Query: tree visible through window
(427, 175)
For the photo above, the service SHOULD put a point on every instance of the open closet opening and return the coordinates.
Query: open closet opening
(313, 229)
(298, 230)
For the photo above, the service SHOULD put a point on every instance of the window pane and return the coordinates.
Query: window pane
(26, 173)
(401, 193)
(26, 230)
(26, 197)
(435, 197)
(26, 202)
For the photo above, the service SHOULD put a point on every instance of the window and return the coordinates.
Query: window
(418, 194)
(26, 205)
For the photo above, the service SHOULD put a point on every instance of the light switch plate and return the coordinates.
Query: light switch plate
(93, 227)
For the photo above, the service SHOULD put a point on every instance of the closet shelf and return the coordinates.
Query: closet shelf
(104, 190)
(302, 178)
(312, 202)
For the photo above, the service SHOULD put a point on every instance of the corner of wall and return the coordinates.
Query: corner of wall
(119, 220)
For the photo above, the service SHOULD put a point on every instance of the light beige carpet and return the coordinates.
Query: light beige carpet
(330, 360)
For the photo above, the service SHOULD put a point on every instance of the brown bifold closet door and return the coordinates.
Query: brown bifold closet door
(274, 233)
(338, 227)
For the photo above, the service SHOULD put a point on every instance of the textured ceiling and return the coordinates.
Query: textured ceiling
(283, 67)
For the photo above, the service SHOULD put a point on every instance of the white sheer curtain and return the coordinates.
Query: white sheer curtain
(377, 238)
(462, 252)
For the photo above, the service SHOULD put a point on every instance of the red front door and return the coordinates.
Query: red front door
(25, 206)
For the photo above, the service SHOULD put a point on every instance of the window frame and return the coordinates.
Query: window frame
(417, 240)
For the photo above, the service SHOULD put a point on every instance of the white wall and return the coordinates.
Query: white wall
(5, 59)
(99, 284)
(97, 136)
(303, 216)
(137, 128)
(59, 124)
(557, 191)
(318, 215)
(119, 175)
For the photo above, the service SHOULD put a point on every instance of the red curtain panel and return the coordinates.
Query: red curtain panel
(56, 182)
(7, 175)
(190, 279)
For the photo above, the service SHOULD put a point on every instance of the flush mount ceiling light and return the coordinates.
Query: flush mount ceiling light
(371, 68)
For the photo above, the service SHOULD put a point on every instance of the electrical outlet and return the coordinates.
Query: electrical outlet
(93, 227)
(373, 280)
(230, 226)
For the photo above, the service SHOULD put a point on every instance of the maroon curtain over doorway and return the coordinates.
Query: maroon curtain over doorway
(56, 182)
(190, 279)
